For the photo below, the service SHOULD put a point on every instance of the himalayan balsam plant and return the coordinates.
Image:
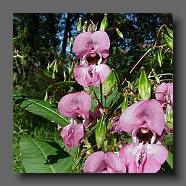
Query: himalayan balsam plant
(112, 125)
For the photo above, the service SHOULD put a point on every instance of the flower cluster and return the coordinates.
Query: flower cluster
(144, 120)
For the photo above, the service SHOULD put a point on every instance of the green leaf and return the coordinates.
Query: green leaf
(104, 23)
(144, 86)
(44, 157)
(170, 159)
(100, 132)
(45, 110)
(120, 34)
(109, 84)
(62, 85)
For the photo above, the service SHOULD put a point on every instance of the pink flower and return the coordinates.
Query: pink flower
(100, 162)
(90, 44)
(146, 121)
(145, 114)
(77, 107)
(92, 49)
(142, 158)
(164, 93)
(73, 134)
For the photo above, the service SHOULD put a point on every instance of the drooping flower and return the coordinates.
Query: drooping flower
(164, 93)
(145, 114)
(101, 162)
(73, 134)
(88, 44)
(92, 49)
(77, 107)
(143, 158)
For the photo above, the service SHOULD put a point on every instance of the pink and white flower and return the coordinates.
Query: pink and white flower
(146, 121)
(92, 49)
(145, 114)
(77, 107)
(143, 158)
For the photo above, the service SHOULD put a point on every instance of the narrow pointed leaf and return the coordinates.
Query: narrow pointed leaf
(170, 159)
(45, 110)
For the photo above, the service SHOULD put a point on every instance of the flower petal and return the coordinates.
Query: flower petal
(75, 103)
(83, 44)
(132, 117)
(73, 134)
(155, 118)
(86, 75)
(95, 163)
(147, 112)
(103, 70)
(114, 163)
(128, 155)
(156, 156)
(101, 43)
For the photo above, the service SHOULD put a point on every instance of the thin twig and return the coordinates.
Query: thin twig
(140, 59)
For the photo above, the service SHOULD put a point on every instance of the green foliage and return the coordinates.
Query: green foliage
(170, 159)
(44, 109)
(44, 157)
(43, 69)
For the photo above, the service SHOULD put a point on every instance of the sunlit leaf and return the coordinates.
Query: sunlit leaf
(45, 110)
(44, 157)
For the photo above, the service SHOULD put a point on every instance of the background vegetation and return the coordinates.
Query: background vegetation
(43, 60)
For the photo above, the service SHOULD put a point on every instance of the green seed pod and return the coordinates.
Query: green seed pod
(144, 86)
(169, 41)
(46, 96)
(100, 132)
(109, 84)
(55, 66)
(170, 32)
(79, 25)
(159, 56)
(104, 23)
(120, 34)
(85, 26)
